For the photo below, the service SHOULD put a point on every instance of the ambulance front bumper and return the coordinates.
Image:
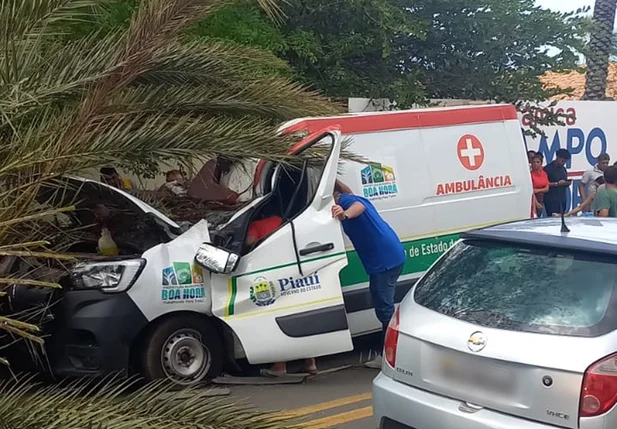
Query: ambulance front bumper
(93, 333)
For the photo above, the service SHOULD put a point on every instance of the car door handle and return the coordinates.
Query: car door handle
(316, 248)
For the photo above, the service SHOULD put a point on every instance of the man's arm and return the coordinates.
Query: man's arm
(581, 190)
(355, 210)
(347, 208)
(588, 201)
(585, 180)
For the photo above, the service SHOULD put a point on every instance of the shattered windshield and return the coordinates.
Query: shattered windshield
(523, 289)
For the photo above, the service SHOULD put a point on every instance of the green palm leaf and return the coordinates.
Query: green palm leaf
(111, 404)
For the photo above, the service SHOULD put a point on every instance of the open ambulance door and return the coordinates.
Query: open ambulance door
(283, 300)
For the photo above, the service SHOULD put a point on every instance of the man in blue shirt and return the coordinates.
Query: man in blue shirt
(379, 248)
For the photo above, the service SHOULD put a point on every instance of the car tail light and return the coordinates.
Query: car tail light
(599, 392)
(391, 340)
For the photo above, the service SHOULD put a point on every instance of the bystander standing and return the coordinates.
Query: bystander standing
(587, 185)
(555, 198)
(605, 202)
(539, 180)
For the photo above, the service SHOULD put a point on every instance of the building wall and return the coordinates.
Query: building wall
(359, 105)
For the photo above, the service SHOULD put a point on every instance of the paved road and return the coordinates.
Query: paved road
(336, 400)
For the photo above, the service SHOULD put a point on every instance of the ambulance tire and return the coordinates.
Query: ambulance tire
(185, 349)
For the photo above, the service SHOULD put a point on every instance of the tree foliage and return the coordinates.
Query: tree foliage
(474, 49)
(349, 47)
(491, 49)
(343, 48)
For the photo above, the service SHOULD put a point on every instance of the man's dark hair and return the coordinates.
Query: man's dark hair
(610, 175)
(600, 180)
(531, 153)
(564, 153)
(604, 157)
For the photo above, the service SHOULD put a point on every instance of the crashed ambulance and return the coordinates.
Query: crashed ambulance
(187, 305)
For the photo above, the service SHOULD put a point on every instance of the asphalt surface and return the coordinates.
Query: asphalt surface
(339, 399)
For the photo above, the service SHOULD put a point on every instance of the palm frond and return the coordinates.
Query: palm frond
(41, 18)
(273, 9)
(120, 405)
(28, 282)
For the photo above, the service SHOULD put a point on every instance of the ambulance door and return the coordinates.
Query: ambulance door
(284, 300)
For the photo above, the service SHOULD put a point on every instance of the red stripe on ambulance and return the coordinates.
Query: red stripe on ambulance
(367, 123)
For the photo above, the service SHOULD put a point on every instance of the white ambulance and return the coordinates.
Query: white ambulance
(301, 291)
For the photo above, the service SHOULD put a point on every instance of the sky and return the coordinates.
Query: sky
(564, 5)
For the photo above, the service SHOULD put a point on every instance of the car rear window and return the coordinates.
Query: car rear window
(523, 289)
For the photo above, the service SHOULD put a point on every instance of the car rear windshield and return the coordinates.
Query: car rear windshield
(528, 289)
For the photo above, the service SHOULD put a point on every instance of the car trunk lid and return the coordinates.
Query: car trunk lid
(435, 355)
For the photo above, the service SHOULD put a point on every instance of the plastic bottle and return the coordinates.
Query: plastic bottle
(107, 245)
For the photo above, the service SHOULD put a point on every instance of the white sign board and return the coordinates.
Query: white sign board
(592, 132)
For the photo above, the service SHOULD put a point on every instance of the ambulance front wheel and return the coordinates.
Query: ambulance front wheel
(185, 349)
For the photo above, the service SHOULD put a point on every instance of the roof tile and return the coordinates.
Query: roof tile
(576, 81)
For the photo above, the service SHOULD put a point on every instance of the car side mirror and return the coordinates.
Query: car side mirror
(215, 259)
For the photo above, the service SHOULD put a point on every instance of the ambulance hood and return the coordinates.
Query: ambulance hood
(78, 191)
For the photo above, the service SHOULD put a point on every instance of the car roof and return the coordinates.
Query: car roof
(588, 234)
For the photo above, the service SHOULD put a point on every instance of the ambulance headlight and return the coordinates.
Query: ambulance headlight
(215, 259)
(110, 277)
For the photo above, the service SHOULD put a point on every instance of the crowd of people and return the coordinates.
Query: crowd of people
(597, 188)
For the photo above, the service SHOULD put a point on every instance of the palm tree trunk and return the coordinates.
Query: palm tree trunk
(600, 45)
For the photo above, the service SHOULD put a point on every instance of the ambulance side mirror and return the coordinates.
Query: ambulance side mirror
(215, 259)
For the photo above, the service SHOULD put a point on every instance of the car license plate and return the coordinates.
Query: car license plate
(479, 374)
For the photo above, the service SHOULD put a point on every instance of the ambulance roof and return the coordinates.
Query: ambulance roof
(356, 123)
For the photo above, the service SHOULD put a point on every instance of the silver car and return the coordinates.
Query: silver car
(514, 327)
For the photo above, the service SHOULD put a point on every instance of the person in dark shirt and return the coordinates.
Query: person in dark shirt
(555, 198)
